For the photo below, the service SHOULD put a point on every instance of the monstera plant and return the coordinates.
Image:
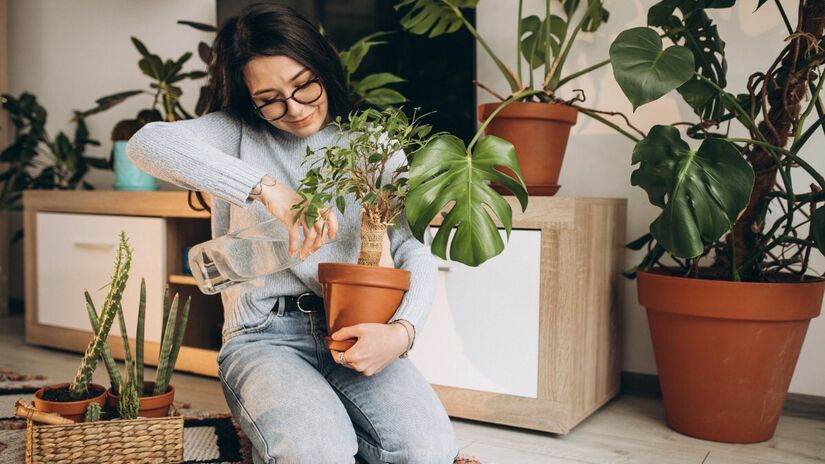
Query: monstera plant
(538, 121)
(726, 276)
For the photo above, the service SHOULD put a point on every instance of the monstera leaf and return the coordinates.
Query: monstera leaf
(643, 69)
(534, 41)
(701, 192)
(818, 228)
(433, 16)
(442, 173)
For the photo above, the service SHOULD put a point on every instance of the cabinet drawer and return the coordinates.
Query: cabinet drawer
(76, 252)
(482, 333)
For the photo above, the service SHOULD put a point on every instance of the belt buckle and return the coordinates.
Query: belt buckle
(298, 302)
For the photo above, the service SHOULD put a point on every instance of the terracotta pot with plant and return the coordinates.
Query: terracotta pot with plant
(392, 166)
(729, 310)
(135, 396)
(538, 122)
(72, 399)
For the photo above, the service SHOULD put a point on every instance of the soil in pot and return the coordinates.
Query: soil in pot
(355, 294)
(539, 133)
(726, 351)
(150, 405)
(56, 399)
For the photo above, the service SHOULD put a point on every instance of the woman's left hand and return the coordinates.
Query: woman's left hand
(378, 345)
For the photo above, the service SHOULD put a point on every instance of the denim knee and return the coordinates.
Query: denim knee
(421, 448)
(299, 451)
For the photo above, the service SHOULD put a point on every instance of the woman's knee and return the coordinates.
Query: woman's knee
(296, 448)
(425, 445)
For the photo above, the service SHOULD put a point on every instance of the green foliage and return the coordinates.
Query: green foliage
(105, 353)
(92, 412)
(111, 307)
(370, 169)
(643, 70)
(128, 402)
(173, 330)
(701, 192)
(371, 90)
(444, 172)
(35, 160)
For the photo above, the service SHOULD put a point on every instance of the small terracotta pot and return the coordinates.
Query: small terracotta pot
(726, 351)
(149, 406)
(74, 410)
(355, 294)
(539, 132)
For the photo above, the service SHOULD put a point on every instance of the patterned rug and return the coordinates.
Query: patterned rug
(207, 437)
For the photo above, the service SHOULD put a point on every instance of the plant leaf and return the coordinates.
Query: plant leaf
(441, 173)
(643, 70)
(701, 192)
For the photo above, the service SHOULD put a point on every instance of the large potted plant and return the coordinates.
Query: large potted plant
(391, 167)
(728, 311)
(72, 399)
(538, 123)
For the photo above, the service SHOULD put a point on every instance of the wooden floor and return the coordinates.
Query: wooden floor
(627, 430)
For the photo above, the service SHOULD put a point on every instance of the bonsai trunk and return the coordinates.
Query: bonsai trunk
(783, 110)
(372, 241)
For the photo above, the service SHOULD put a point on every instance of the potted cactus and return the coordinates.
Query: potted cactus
(72, 399)
(133, 396)
(394, 170)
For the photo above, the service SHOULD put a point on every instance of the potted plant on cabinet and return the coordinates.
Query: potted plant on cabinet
(728, 313)
(392, 167)
(71, 399)
(133, 396)
(538, 123)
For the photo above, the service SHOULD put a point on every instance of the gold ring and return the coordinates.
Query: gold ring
(341, 357)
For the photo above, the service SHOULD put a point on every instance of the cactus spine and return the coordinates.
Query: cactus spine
(111, 307)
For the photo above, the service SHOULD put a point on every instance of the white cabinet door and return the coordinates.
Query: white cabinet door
(482, 333)
(76, 252)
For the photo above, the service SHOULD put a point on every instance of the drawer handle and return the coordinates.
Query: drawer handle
(95, 245)
(445, 267)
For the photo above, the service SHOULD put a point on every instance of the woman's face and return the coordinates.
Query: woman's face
(270, 77)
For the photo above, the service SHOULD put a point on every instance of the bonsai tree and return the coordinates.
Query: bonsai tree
(133, 388)
(428, 173)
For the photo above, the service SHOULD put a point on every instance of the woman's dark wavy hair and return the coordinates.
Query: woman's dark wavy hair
(267, 29)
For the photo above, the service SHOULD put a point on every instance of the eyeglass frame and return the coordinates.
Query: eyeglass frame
(260, 114)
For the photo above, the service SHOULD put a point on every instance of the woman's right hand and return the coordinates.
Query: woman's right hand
(278, 199)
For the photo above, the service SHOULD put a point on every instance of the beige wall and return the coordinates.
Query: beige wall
(70, 53)
(598, 159)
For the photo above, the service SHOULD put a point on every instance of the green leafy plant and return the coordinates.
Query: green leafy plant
(173, 329)
(370, 90)
(540, 42)
(35, 160)
(111, 307)
(430, 173)
(92, 412)
(715, 199)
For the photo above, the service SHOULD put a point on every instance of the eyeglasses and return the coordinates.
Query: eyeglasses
(308, 92)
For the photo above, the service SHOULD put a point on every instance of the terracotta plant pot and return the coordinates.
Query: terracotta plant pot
(355, 294)
(539, 132)
(74, 410)
(150, 406)
(726, 351)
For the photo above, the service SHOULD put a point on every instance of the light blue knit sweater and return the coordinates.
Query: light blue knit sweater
(219, 154)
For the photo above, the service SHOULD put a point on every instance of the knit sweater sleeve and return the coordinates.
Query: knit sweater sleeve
(197, 154)
(410, 254)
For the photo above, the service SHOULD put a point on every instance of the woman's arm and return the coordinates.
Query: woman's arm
(197, 154)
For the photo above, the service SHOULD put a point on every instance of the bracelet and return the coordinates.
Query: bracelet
(259, 187)
(410, 338)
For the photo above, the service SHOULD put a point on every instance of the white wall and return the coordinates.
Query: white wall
(70, 53)
(597, 162)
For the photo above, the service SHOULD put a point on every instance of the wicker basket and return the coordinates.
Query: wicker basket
(141, 440)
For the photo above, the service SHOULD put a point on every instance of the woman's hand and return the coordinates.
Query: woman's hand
(378, 345)
(278, 199)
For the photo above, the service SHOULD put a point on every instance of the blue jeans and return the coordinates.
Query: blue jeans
(297, 405)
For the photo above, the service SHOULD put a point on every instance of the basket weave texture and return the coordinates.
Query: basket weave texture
(141, 440)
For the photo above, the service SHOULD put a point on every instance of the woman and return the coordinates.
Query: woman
(275, 85)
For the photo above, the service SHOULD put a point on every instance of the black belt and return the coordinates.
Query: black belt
(306, 302)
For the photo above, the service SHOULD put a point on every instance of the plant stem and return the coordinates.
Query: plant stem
(547, 37)
(480, 131)
(518, 40)
(610, 124)
(583, 71)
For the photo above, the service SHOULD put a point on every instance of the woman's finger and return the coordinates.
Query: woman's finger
(319, 234)
(309, 239)
(293, 238)
(332, 224)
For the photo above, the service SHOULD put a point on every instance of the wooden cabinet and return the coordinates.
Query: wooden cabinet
(530, 338)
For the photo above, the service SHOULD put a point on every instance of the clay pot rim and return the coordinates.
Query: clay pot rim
(57, 386)
(363, 275)
(724, 299)
(559, 112)
(169, 392)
